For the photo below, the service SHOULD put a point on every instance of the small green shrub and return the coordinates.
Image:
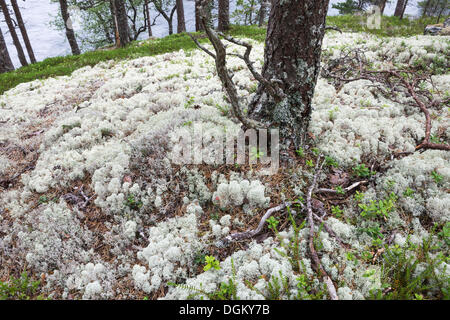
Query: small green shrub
(404, 280)
(362, 171)
(132, 203)
(211, 262)
(380, 208)
(22, 288)
(226, 291)
(436, 177)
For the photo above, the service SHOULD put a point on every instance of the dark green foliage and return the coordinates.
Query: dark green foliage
(22, 288)
(226, 291)
(402, 277)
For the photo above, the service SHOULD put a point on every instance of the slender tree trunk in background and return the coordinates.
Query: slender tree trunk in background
(224, 15)
(112, 7)
(425, 9)
(5, 60)
(382, 5)
(404, 8)
(70, 34)
(292, 59)
(198, 25)
(169, 18)
(14, 36)
(399, 8)
(262, 13)
(149, 21)
(23, 31)
(122, 22)
(181, 24)
(443, 8)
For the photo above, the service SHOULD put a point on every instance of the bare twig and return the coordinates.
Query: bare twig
(348, 189)
(272, 86)
(333, 28)
(310, 216)
(201, 47)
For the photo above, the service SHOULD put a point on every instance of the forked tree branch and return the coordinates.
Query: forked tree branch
(222, 71)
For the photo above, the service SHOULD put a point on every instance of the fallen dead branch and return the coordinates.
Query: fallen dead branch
(251, 233)
(310, 216)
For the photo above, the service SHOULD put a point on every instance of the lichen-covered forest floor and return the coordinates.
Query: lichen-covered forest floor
(92, 207)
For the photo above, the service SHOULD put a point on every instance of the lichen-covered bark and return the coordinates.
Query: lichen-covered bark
(224, 15)
(292, 59)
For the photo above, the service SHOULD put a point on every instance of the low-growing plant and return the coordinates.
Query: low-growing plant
(402, 277)
(272, 223)
(211, 262)
(445, 233)
(300, 152)
(436, 176)
(337, 211)
(21, 288)
(329, 161)
(380, 208)
(339, 190)
(362, 171)
(227, 290)
(408, 192)
(190, 102)
(132, 203)
(276, 288)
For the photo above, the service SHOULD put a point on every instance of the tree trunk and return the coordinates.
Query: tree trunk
(198, 24)
(224, 15)
(404, 8)
(149, 21)
(70, 34)
(112, 8)
(121, 22)
(168, 18)
(292, 60)
(198, 19)
(23, 31)
(382, 5)
(181, 25)
(262, 13)
(399, 8)
(14, 36)
(5, 60)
